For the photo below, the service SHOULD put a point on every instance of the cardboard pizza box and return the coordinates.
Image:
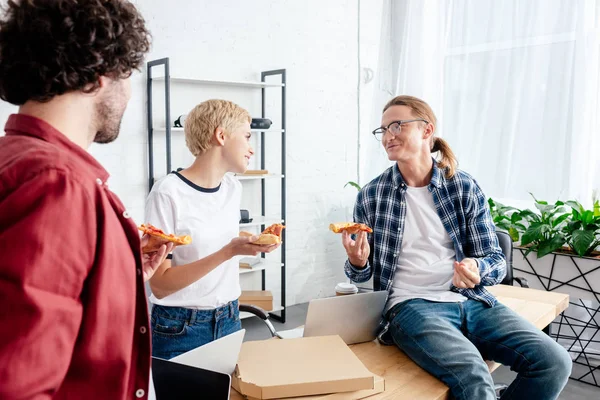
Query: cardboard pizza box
(258, 298)
(276, 369)
(358, 395)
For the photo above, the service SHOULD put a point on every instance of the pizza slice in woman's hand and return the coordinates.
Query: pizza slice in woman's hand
(271, 235)
(157, 238)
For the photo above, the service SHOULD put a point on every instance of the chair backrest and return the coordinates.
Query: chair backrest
(506, 245)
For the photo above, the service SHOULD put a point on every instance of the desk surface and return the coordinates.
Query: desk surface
(404, 379)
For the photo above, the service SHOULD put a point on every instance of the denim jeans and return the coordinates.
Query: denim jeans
(452, 340)
(176, 330)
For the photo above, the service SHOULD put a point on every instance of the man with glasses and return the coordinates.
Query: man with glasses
(434, 249)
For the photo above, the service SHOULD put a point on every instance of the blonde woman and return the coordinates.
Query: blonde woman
(194, 294)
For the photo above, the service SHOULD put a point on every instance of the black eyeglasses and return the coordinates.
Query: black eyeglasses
(394, 127)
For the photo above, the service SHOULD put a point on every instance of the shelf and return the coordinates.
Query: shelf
(257, 176)
(244, 315)
(261, 220)
(221, 83)
(260, 266)
(177, 129)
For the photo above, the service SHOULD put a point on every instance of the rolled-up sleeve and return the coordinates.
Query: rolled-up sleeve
(482, 242)
(355, 274)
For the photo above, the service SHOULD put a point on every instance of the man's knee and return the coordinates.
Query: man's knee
(555, 361)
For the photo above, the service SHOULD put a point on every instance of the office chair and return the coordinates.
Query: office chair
(260, 313)
(506, 245)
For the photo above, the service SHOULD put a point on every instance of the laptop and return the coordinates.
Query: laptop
(220, 355)
(354, 317)
(174, 381)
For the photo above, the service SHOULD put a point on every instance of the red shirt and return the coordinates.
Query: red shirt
(73, 313)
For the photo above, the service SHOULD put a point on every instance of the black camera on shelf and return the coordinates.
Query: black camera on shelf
(245, 217)
(260, 123)
(180, 121)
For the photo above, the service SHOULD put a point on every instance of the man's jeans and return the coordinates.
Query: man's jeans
(452, 340)
(176, 330)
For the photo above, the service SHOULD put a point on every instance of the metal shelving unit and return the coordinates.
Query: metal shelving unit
(166, 80)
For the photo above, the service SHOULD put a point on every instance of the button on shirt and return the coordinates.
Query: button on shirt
(73, 319)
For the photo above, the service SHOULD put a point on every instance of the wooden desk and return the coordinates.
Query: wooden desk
(404, 379)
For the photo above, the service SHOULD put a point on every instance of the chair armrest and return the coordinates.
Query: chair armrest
(521, 281)
(259, 312)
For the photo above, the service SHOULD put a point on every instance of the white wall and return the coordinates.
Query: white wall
(373, 96)
(316, 42)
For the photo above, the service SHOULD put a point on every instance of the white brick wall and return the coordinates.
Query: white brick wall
(316, 42)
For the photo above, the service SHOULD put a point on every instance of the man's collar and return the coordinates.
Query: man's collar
(22, 124)
(436, 177)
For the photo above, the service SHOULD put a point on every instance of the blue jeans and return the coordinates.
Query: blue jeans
(176, 330)
(452, 340)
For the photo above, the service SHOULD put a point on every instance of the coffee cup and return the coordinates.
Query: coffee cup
(342, 289)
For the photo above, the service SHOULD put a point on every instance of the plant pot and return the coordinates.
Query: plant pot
(566, 273)
(576, 329)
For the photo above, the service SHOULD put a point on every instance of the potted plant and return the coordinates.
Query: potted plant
(556, 249)
(555, 245)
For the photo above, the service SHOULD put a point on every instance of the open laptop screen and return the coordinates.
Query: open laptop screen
(182, 382)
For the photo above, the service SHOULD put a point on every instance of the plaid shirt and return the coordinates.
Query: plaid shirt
(462, 207)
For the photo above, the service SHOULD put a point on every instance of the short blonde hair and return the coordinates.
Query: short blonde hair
(206, 117)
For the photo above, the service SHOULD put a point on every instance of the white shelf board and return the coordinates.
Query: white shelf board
(257, 176)
(244, 314)
(177, 129)
(260, 220)
(268, 130)
(260, 266)
(220, 83)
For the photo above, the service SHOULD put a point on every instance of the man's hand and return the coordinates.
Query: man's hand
(242, 246)
(466, 274)
(151, 261)
(358, 250)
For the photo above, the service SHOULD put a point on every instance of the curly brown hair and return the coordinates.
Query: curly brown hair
(51, 47)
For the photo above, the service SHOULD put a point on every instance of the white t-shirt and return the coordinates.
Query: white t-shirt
(211, 217)
(426, 259)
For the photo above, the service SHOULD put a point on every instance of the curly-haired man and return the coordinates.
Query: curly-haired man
(74, 320)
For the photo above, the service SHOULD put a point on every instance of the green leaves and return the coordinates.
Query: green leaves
(548, 246)
(533, 233)
(582, 240)
(514, 233)
(587, 217)
(551, 226)
(507, 218)
(559, 220)
(575, 205)
(353, 184)
(530, 215)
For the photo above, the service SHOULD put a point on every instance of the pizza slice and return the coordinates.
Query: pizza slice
(350, 227)
(158, 238)
(271, 235)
